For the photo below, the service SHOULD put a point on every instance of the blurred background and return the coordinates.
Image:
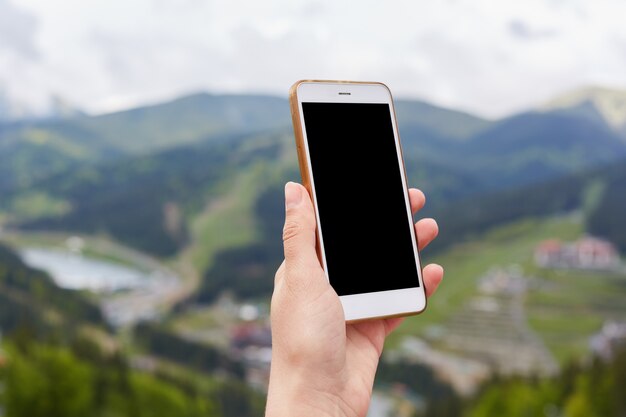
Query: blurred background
(144, 147)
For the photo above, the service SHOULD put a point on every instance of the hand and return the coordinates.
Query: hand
(320, 365)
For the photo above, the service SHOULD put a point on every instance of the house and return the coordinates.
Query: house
(593, 253)
(548, 252)
(252, 344)
(588, 253)
(609, 340)
(509, 281)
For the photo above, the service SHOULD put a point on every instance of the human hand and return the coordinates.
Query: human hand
(322, 366)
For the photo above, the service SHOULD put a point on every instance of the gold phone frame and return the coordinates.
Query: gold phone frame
(307, 183)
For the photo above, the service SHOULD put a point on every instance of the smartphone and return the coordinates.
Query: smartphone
(351, 163)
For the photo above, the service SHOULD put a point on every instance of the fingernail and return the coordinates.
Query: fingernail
(293, 195)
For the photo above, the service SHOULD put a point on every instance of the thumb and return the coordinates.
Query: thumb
(299, 232)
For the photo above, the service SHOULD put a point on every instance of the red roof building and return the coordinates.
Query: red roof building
(586, 253)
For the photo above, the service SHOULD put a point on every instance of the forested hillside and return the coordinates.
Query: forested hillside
(197, 183)
(596, 194)
(30, 298)
(165, 168)
(61, 360)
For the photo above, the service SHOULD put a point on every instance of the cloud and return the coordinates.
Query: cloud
(522, 30)
(486, 56)
(17, 30)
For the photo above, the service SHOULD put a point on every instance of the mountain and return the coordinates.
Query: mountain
(533, 147)
(445, 123)
(133, 198)
(202, 117)
(31, 151)
(199, 174)
(598, 194)
(187, 120)
(596, 103)
(213, 206)
(516, 151)
(120, 173)
(198, 182)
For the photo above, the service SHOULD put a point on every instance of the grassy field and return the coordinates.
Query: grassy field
(465, 263)
(565, 311)
(226, 222)
(229, 221)
(574, 305)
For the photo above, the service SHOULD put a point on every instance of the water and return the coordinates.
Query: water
(126, 294)
(77, 272)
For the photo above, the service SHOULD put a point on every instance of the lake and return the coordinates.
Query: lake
(78, 272)
(126, 294)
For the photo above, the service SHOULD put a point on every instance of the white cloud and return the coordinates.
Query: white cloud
(488, 56)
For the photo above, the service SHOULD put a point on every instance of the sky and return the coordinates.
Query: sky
(489, 57)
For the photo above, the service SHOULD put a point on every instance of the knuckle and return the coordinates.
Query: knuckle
(290, 230)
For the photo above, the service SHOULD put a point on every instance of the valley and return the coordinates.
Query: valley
(187, 196)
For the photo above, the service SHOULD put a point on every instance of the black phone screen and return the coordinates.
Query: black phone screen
(360, 197)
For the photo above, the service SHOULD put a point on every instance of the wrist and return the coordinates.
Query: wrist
(297, 392)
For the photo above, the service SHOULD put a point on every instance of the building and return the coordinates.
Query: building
(587, 253)
(252, 344)
(504, 281)
(609, 340)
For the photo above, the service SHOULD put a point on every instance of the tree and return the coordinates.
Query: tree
(47, 383)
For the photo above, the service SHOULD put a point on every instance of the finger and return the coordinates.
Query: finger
(417, 198)
(392, 324)
(299, 233)
(426, 231)
(432, 274)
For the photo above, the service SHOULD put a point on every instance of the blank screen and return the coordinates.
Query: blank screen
(360, 197)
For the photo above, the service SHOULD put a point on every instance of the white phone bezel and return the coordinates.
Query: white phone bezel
(391, 303)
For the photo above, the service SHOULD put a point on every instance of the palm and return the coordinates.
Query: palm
(364, 344)
(354, 358)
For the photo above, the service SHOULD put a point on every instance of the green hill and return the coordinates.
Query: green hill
(457, 144)
(187, 120)
(30, 298)
(606, 214)
(447, 123)
(215, 199)
(149, 201)
(58, 359)
(596, 103)
(596, 194)
(31, 151)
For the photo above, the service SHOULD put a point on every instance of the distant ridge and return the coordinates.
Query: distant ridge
(606, 104)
